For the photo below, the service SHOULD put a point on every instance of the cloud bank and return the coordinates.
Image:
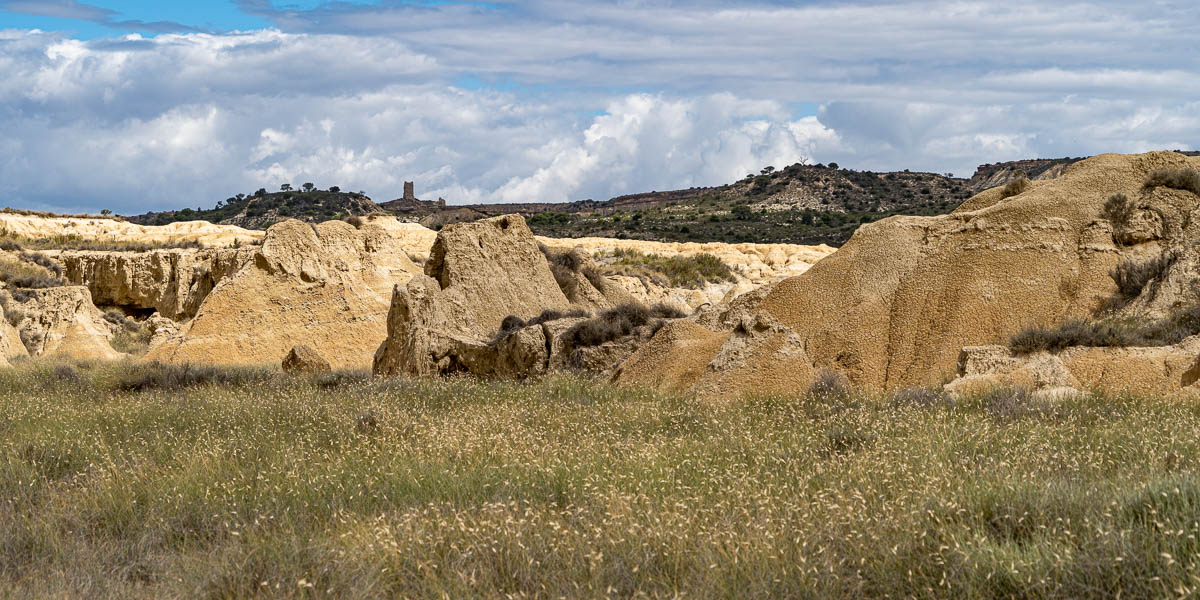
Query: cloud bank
(557, 101)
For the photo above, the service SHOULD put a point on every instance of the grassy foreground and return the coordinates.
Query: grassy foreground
(116, 482)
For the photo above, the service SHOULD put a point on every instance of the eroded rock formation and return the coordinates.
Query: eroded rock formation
(327, 286)
(173, 282)
(895, 305)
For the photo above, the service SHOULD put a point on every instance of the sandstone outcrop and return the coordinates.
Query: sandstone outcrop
(173, 282)
(11, 347)
(62, 321)
(201, 232)
(895, 305)
(303, 359)
(327, 286)
(477, 274)
(1163, 370)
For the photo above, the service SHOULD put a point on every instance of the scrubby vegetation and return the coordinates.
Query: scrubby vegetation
(1016, 187)
(26, 274)
(668, 271)
(565, 265)
(513, 323)
(1113, 332)
(1186, 179)
(1118, 209)
(277, 486)
(262, 209)
(1132, 276)
(618, 322)
(16, 242)
(133, 337)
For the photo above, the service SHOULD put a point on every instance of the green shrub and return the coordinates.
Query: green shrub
(1186, 179)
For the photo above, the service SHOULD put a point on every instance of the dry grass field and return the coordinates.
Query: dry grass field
(126, 481)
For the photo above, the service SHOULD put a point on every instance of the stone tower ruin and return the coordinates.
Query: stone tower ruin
(408, 191)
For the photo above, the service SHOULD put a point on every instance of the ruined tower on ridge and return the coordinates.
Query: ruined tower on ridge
(408, 191)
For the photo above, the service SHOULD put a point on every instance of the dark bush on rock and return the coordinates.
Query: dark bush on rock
(618, 322)
(1118, 209)
(1186, 179)
(1131, 276)
(513, 323)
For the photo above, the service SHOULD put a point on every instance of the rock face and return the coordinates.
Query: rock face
(1163, 370)
(894, 306)
(201, 232)
(62, 321)
(172, 282)
(10, 342)
(756, 265)
(327, 286)
(477, 274)
(302, 359)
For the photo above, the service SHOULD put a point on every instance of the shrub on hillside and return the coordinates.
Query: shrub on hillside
(43, 261)
(564, 265)
(1118, 210)
(1016, 187)
(355, 220)
(1131, 276)
(1186, 179)
(1110, 333)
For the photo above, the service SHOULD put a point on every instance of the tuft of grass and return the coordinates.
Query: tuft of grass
(1016, 187)
(1186, 179)
(618, 322)
(923, 398)
(566, 487)
(692, 272)
(830, 385)
(355, 220)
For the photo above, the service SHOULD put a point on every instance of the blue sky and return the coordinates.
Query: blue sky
(140, 105)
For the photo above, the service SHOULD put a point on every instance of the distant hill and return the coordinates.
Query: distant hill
(263, 209)
(798, 204)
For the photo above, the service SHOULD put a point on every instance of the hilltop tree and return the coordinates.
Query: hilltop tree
(287, 187)
(335, 189)
(308, 187)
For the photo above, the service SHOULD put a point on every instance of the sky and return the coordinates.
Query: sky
(141, 105)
